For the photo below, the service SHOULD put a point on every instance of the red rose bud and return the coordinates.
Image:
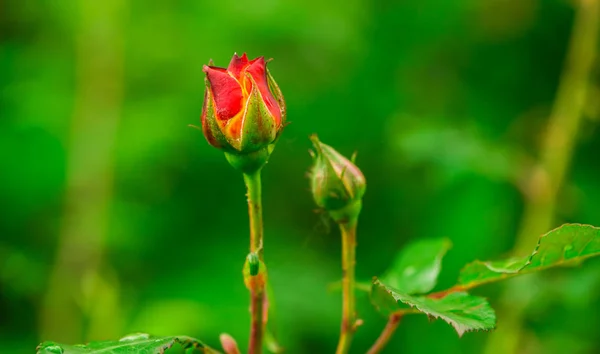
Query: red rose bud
(244, 110)
(337, 184)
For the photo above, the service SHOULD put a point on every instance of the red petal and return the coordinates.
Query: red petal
(226, 92)
(234, 129)
(258, 71)
(237, 64)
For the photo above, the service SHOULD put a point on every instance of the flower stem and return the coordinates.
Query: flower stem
(257, 289)
(386, 335)
(348, 327)
(543, 187)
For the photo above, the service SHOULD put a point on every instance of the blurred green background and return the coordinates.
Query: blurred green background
(117, 217)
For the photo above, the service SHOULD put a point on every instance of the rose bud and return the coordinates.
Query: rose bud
(229, 344)
(244, 110)
(337, 184)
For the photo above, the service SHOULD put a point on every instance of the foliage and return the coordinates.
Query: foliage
(564, 246)
(463, 311)
(416, 268)
(140, 343)
(446, 103)
(567, 245)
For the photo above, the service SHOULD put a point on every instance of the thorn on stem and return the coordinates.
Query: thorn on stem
(353, 157)
(359, 322)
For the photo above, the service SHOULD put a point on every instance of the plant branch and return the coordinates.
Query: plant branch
(547, 177)
(386, 335)
(257, 288)
(348, 230)
(391, 326)
(89, 179)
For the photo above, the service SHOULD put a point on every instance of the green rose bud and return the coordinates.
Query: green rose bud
(337, 184)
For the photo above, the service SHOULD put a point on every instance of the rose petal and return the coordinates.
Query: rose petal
(257, 69)
(237, 64)
(226, 91)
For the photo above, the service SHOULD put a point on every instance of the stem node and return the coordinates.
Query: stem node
(257, 288)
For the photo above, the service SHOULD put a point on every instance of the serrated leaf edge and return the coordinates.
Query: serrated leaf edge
(459, 329)
(186, 342)
(522, 270)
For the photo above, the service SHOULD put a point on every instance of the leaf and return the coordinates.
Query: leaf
(271, 342)
(563, 246)
(463, 311)
(140, 343)
(417, 266)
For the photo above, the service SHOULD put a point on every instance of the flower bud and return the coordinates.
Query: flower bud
(337, 184)
(255, 272)
(244, 110)
(253, 263)
(229, 344)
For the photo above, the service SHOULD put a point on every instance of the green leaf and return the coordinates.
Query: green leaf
(271, 342)
(417, 266)
(463, 311)
(140, 343)
(563, 246)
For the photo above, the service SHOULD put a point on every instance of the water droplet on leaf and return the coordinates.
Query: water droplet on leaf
(54, 349)
(134, 336)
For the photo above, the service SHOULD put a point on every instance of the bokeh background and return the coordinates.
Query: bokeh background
(474, 120)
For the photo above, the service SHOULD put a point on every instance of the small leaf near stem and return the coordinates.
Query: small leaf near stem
(416, 268)
(349, 322)
(257, 286)
(253, 263)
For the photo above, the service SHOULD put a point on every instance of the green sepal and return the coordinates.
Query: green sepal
(258, 124)
(279, 97)
(249, 163)
(348, 214)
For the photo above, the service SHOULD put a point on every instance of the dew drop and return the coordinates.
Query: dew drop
(134, 336)
(54, 349)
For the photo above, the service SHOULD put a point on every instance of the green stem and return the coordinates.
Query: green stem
(257, 290)
(548, 175)
(348, 327)
(90, 161)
